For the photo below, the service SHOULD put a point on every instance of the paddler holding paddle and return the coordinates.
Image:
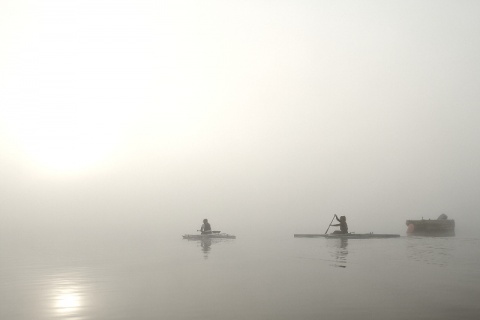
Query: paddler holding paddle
(343, 225)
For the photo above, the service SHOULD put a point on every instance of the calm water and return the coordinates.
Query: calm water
(250, 277)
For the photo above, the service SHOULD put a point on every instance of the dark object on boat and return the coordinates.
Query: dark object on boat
(347, 235)
(441, 227)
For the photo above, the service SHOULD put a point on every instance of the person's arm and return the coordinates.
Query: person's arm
(202, 227)
(336, 217)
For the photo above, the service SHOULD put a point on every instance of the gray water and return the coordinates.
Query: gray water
(250, 277)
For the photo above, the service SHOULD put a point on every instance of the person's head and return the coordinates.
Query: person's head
(205, 220)
(343, 218)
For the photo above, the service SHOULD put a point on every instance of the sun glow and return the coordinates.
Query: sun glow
(65, 140)
(67, 302)
(69, 296)
(72, 74)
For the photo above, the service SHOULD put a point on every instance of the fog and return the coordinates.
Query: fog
(142, 118)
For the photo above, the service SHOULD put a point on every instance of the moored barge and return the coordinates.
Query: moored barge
(441, 227)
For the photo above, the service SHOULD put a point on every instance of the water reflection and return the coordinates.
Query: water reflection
(437, 251)
(68, 302)
(206, 245)
(339, 251)
(68, 295)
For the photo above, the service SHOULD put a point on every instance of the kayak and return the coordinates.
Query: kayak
(347, 235)
(208, 236)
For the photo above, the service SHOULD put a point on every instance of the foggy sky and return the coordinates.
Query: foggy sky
(263, 116)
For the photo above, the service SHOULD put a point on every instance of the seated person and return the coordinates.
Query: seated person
(343, 225)
(206, 228)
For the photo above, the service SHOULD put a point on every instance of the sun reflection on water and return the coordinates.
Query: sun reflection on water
(68, 297)
(67, 302)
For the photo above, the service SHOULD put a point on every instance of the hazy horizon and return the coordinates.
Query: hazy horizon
(262, 116)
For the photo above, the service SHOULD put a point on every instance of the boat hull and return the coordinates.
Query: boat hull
(439, 228)
(347, 236)
(208, 236)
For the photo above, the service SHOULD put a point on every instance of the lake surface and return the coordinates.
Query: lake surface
(250, 277)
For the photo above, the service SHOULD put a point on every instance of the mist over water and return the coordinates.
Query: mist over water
(163, 114)
(251, 276)
(124, 124)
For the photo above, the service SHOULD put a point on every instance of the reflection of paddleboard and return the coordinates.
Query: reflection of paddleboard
(347, 235)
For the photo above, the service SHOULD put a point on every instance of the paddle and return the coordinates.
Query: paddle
(330, 223)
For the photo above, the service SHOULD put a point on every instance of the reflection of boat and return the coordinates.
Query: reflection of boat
(338, 250)
(208, 236)
(439, 227)
(206, 244)
(347, 235)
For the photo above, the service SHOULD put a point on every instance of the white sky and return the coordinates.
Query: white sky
(259, 115)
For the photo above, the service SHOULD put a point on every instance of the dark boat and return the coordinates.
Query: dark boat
(441, 227)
